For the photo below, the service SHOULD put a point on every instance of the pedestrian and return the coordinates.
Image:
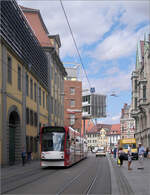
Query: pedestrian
(121, 155)
(115, 151)
(129, 157)
(23, 156)
(141, 152)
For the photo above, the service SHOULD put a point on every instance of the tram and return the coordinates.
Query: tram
(61, 146)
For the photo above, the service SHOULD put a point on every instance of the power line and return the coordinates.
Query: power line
(74, 41)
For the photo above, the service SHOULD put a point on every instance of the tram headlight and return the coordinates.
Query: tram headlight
(42, 156)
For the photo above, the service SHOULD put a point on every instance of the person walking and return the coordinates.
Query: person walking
(141, 152)
(23, 156)
(115, 152)
(129, 157)
(121, 155)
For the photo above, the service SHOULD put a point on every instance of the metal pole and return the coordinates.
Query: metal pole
(84, 127)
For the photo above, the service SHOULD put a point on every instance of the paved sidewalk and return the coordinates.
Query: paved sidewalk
(18, 169)
(138, 179)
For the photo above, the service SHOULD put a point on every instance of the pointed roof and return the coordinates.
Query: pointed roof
(142, 48)
(35, 20)
(137, 66)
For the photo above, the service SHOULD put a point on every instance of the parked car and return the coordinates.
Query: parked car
(100, 152)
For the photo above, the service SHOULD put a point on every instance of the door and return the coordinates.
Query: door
(11, 145)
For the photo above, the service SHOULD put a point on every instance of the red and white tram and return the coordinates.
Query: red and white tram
(61, 146)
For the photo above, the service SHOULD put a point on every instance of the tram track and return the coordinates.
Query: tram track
(91, 174)
(86, 177)
(93, 182)
(13, 183)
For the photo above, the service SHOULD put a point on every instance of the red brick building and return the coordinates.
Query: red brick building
(73, 104)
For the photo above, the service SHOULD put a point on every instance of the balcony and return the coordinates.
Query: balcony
(143, 102)
(85, 103)
(86, 115)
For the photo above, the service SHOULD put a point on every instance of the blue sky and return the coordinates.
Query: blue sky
(106, 33)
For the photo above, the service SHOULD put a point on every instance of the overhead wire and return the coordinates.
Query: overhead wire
(74, 42)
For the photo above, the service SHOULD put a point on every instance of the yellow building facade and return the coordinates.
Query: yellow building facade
(28, 95)
(102, 139)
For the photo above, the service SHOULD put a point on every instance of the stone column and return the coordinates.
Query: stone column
(23, 129)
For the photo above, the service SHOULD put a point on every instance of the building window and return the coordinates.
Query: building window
(31, 88)
(35, 119)
(35, 145)
(31, 117)
(135, 103)
(35, 92)
(86, 99)
(135, 85)
(40, 95)
(27, 143)
(27, 84)
(27, 115)
(72, 103)
(47, 102)
(43, 99)
(19, 78)
(72, 91)
(144, 92)
(72, 119)
(9, 70)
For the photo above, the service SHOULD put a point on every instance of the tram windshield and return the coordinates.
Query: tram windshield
(53, 141)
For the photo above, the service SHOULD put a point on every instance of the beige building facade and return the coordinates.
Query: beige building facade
(127, 122)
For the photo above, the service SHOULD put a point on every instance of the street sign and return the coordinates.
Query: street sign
(92, 89)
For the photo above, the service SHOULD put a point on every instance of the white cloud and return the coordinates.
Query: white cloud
(116, 118)
(120, 44)
(90, 21)
(110, 119)
(119, 82)
(112, 70)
